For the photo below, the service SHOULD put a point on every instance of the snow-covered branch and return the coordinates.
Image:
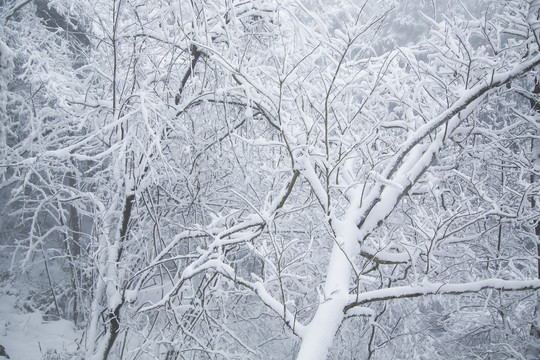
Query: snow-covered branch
(427, 288)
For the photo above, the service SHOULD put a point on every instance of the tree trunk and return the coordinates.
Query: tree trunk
(113, 315)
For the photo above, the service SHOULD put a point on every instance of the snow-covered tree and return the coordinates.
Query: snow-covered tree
(277, 179)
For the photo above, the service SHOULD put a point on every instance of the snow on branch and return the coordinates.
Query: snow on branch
(279, 309)
(402, 292)
(384, 257)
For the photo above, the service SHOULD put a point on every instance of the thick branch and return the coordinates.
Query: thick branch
(403, 292)
(469, 97)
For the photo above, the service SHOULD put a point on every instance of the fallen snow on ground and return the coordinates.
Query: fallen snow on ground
(26, 336)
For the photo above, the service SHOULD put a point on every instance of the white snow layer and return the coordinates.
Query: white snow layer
(26, 336)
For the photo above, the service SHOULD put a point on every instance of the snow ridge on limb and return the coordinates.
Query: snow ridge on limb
(427, 288)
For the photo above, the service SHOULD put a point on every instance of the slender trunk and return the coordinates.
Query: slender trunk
(72, 265)
(74, 225)
(74, 249)
(537, 231)
(114, 329)
(113, 315)
(51, 285)
(535, 327)
(114, 300)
